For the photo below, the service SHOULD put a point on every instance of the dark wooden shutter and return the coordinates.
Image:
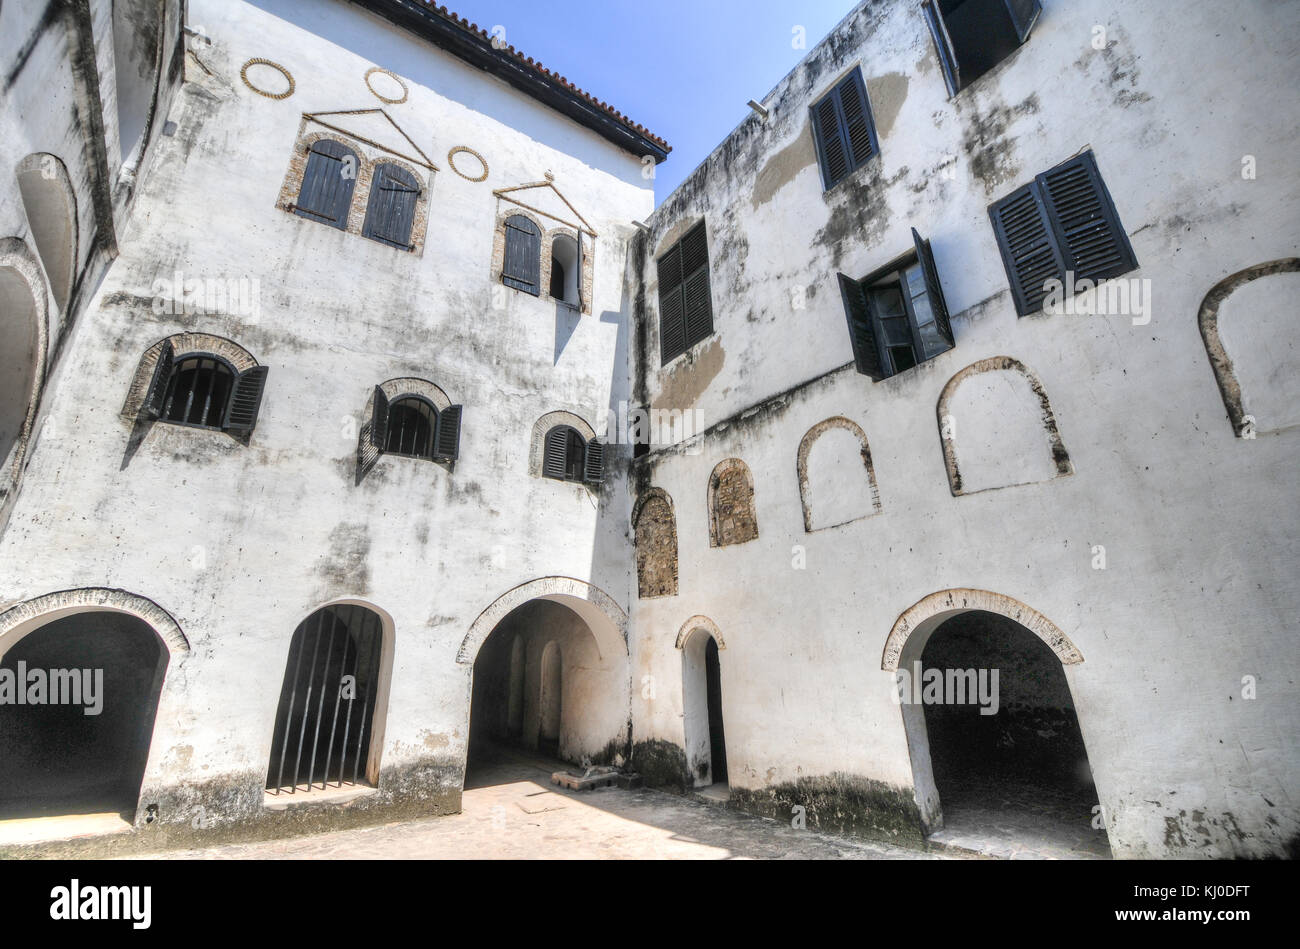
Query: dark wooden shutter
(522, 268)
(943, 45)
(448, 440)
(554, 459)
(581, 270)
(698, 303)
(1087, 227)
(862, 332)
(1029, 247)
(156, 394)
(245, 400)
(672, 305)
(1024, 14)
(830, 142)
(372, 443)
(859, 129)
(327, 183)
(933, 289)
(390, 211)
(594, 464)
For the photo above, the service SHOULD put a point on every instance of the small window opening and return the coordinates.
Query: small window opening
(198, 392)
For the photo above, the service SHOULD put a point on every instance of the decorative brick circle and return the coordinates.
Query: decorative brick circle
(379, 95)
(451, 160)
(243, 74)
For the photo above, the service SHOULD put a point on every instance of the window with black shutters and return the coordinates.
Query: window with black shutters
(685, 299)
(412, 426)
(1062, 224)
(897, 317)
(203, 391)
(522, 266)
(390, 211)
(327, 183)
(567, 456)
(843, 129)
(973, 36)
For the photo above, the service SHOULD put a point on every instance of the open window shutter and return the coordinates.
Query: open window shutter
(152, 407)
(943, 43)
(594, 468)
(554, 458)
(522, 267)
(245, 400)
(831, 147)
(379, 420)
(448, 444)
(1094, 243)
(858, 126)
(697, 298)
(1029, 247)
(933, 289)
(866, 355)
(672, 305)
(581, 271)
(1024, 14)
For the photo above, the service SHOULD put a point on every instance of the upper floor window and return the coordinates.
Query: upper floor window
(327, 183)
(897, 317)
(973, 36)
(1061, 227)
(843, 129)
(522, 267)
(204, 391)
(685, 298)
(570, 457)
(390, 211)
(565, 270)
(413, 426)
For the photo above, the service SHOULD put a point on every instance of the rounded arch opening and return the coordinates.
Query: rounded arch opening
(21, 321)
(704, 734)
(137, 35)
(51, 208)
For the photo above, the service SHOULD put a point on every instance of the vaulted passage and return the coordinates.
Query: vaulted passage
(1004, 742)
(543, 684)
(79, 743)
(706, 746)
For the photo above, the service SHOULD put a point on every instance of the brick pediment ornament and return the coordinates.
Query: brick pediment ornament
(371, 126)
(543, 191)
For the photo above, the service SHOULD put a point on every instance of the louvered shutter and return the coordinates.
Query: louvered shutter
(581, 270)
(830, 142)
(448, 441)
(697, 298)
(933, 289)
(327, 183)
(390, 211)
(156, 394)
(245, 400)
(554, 460)
(1087, 227)
(943, 45)
(372, 443)
(672, 305)
(594, 464)
(522, 267)
(862, 333)
(858, 126)
(1024, 14)
(1029, 247)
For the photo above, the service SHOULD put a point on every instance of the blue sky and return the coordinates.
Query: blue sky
(682, 68)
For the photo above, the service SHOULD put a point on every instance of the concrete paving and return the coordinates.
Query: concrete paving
(512, 811)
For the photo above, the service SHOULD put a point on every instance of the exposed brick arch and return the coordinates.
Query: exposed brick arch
(655, 526)
(183, 344)
(811, 520)
(537, 445)
(699, 621)
(732, 518)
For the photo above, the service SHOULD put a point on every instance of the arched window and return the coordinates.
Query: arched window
(51, 207)
(413, 426)
(204, 391)
(570, 457)
(390, 212)
(566, 271)
(326, 717)
(522, 265)
(327, 184)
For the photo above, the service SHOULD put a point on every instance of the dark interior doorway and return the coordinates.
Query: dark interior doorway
(1024, 766)
(59, 760)
(717, 740)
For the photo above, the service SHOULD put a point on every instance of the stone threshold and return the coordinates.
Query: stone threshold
(26, 831)
(286, 799)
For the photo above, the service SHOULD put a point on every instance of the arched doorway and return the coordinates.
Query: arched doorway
(550, 681)
(998, 756)
(330, 721)
(137, 34)
(78, 698)
(706, 745)
(21, 354)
